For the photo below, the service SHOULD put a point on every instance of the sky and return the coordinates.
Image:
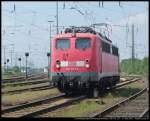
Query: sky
(25, 27)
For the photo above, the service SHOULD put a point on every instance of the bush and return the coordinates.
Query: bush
(139, 67)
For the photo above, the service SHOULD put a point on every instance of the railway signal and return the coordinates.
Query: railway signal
(19, 59)
(26, 54)
(4, 66)
(7, 64)
(48, 55)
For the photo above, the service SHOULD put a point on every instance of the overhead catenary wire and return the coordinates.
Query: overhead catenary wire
(34, 25)
(32, 22)
(119, 12)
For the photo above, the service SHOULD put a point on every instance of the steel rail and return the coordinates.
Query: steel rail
(52, 108)
(32, 103)
(16, 79)
(49, 109)
(28, 89)
(127, 79)
(115, 106)
(125, 82)
(26, 82)
(145, 113)
(130, 75)
(32, 82)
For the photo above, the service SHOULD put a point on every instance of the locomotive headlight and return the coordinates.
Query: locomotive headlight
(87, 65)
(57, 64)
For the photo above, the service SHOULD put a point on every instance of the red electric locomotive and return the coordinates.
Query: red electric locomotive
(84, 61)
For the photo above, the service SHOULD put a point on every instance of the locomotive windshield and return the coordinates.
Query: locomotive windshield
(83, 43)
(62, 44)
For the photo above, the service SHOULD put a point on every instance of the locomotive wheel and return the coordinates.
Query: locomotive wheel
(67, 93)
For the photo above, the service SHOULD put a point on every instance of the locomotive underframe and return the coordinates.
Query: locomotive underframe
(84, 82)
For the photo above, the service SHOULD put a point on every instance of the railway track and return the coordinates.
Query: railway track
(128, 81)
(117, 86)
(36, 109)
(23, 78)
(135, 76)
(20, 110)
(39, 81)
(39, 107)
(26, 82)
(31, 77)
(47, 85)
(42, 87)
(145, 113)
(133, 107)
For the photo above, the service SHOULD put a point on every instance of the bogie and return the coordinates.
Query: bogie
(93, 88)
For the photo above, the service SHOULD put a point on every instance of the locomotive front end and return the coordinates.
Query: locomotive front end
(72, 62)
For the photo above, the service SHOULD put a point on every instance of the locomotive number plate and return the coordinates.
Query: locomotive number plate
(80, 63)
(64, 63)
(72, 63)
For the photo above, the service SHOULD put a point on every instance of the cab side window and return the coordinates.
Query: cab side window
(114, 50)
(105, 47)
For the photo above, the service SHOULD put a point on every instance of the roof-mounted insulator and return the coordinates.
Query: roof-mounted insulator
(80, 30)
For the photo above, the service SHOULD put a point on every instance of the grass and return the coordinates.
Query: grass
(86, 107)
(27, 96)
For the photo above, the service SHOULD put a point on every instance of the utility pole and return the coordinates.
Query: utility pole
(127, 31)
(57, 17)
(11, 57)
(133, 49)
(5, 64)
(11, 53)
(133, 56)
(49, 60)
(16, 58)
(4, 54)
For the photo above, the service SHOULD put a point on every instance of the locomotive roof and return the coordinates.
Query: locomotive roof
(86, 35)
(68, 35)
(109, 42)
